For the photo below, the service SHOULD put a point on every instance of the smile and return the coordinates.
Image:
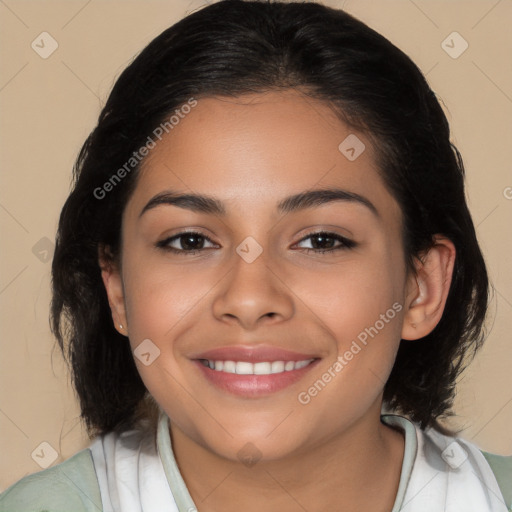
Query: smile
(260, 368)
(254, 379)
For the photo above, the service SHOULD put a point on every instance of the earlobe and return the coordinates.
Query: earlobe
(428, 290)
(112, 281)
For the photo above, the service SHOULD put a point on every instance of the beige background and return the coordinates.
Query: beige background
(50, 105)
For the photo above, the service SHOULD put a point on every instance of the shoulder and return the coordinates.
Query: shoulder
(501, 466)
(70, 485)
(468, 472)
(494, 472)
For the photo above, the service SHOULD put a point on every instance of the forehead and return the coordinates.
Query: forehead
(256, 149)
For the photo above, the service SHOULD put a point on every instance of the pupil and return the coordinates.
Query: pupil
(190, 245)
(322, 237)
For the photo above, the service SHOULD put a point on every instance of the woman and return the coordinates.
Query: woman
(266, 279)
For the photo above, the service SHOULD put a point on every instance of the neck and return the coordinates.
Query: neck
(357, 469)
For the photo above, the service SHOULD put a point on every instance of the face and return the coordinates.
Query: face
(294, 299)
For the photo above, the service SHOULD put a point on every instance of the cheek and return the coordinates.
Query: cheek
(159, 298)
(162, 305)
(361, 308)
(353, 295)
(367, 333)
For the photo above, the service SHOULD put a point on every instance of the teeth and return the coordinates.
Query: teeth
(229, 366)
(263, 368)
(278, 367)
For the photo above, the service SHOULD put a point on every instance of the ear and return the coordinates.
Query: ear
(428, 289)
(112, 280)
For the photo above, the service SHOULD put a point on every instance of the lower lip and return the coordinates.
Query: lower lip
(253, 385)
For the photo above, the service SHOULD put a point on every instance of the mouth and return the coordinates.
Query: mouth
(252, 372)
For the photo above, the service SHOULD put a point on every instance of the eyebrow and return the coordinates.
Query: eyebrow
(210, 205)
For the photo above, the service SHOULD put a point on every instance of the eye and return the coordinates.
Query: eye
(191, 242)
(323, 241)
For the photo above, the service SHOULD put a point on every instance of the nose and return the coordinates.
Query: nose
(253, 293)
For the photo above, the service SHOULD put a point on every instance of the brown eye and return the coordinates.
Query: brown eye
(187, 242)
(323, 241)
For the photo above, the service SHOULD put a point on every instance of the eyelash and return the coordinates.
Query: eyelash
(344, 245)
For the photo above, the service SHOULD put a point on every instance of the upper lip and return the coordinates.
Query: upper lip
(253, 354)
